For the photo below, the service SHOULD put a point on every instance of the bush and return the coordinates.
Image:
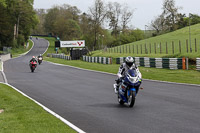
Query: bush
(20, 40)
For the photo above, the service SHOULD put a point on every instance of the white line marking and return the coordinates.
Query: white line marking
(47, 47)
(24, 53)
(45, 108)
(4, 76)
(116, 75)
(48, 110)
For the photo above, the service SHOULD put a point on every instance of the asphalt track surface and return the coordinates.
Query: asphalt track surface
(87, 100)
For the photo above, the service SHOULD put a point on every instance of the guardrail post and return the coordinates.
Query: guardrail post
(183, 63)
(198, 64)
(187, 63)
(195, 45)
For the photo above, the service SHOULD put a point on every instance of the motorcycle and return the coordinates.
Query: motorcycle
(128, 87)
(40, 60)
(33, 65)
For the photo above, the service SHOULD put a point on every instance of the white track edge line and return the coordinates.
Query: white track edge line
(4, 76)
(116, 75)
(45, 108)
(47, 47)
(24, 53)
(48, 110)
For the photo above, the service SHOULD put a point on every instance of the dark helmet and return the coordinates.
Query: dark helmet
(129, 61)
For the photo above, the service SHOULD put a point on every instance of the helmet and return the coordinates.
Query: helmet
(33, 57)
(40, 54)
(129, 61)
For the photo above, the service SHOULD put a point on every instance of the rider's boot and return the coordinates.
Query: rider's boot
(116, 88)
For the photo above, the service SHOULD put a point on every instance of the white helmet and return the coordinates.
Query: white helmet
(129, 61)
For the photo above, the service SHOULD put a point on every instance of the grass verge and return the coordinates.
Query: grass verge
(179, 76)
(22, 115)
(21, 50)
(51, 48)
(172, 44)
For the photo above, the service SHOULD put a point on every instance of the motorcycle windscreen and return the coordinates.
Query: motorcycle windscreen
(132, 72)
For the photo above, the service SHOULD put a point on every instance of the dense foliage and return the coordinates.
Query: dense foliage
(68, 23)
(17, 20)
(170, 19)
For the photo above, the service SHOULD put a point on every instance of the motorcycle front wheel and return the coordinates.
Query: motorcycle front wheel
(131, 99)
(32, 69)
(120, 100)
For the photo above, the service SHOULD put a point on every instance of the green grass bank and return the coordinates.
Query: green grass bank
(21, 115)
(21, 50)
(179, 76)
(161, 46)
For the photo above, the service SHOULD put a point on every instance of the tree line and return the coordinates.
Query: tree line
(170, 19)
(17, 19)
(69, 23)
(104, 25)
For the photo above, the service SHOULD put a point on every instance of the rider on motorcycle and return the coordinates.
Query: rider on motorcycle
(33, 59)
(128, 64)
(40, 56)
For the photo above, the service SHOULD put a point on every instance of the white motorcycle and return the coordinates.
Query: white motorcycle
(40, 60)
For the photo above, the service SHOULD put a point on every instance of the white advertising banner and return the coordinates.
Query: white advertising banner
(80, 43)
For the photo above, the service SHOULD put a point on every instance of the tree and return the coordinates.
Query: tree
(158, 24)
(59, 16)
(98, 14)
(170, 11)
(67, 30)
(19, 18)
(6, 27)
(183, 21)
(126, 17)
(87, 30)
(50, 20)
(39, 29)
(195, 19)
(113, 14)
(3, 3)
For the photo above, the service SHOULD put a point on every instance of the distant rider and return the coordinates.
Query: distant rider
(128, 64)
(40, 56)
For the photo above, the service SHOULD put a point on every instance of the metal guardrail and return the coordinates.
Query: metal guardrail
(170, 63)
(198, 64)
(102, 60)
(61, 56)
(5, 57)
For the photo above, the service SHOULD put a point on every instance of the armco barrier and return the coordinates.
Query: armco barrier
(198, 64)
(102, 60)
(61, 56)
(5, 57)
(170, 63)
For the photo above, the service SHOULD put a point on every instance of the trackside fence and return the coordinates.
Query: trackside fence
(61, 56)
(102, 60)
(198, 64)
(169, 63)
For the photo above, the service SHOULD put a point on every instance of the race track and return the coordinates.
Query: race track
(87, 100)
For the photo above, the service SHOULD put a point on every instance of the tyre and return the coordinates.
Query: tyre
(131, 99)
(32, 69)
(120, 100)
